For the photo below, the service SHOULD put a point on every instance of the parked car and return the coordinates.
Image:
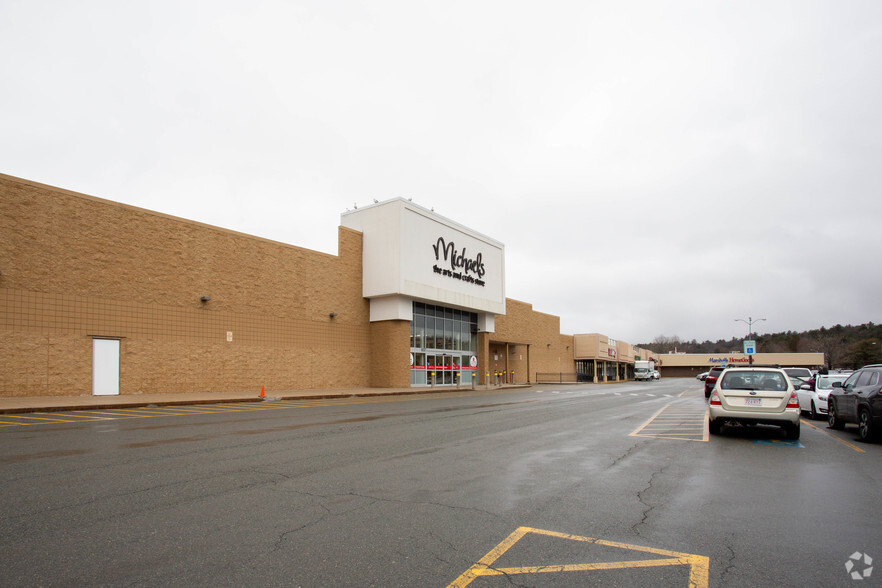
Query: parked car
(803, 374)
(858, 400)
(656, 375)
(701, 376)
(813, 394)
(754, 396)
(711, 379)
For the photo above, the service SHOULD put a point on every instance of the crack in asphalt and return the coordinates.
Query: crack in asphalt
(730, 563)
(625, 455)
(648, 507)
(371, 500)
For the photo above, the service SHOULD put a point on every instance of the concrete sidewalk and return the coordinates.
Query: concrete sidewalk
(59, 403)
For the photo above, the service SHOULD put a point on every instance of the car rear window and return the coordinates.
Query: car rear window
(753, 381)
(826, 382)
(799, 372)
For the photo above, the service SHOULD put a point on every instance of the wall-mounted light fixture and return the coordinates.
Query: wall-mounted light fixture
(332, 315)
(205, 299)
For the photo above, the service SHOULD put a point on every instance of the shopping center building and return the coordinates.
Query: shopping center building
(692, 364)
(98, 297)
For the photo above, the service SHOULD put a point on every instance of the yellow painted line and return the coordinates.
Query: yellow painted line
(612, 565)
(192, 409)
(846, 443)
(28, 417)
(154, 412)
(640, 428)
(74, 415)
(699, 566)
(119, 415)
(658, 425)
(160, 411)
(221, 409)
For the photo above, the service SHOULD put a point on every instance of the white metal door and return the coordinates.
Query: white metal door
(105, 367)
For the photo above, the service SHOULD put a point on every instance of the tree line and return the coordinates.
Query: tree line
(848, 347)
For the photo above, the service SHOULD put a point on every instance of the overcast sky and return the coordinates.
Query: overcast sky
(653, 168)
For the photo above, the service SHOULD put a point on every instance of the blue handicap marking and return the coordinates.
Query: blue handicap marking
(777, 442)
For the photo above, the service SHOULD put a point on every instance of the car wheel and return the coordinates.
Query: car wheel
(714, 427)
(791, 432)
(833, 420)
(814, 412)
(865, 425)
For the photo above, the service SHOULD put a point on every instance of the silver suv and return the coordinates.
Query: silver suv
(753, 396)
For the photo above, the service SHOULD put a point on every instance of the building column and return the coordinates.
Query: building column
(528, 363)
(390, 352)
(484, 361)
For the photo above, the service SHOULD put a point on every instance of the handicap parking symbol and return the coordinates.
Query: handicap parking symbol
(777, 442)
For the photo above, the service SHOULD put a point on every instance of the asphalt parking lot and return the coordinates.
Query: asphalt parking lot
(548, 486)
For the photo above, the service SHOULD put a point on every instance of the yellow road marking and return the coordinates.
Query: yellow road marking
(175, 410)
(73, 415)
(690, 425)
(846, 443)
(699, 566)
(28, 417)
(115, 412)
(658, 412)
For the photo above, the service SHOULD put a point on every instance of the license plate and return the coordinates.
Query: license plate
(753, 402)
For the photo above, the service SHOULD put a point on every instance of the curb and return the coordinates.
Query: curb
(227, 400)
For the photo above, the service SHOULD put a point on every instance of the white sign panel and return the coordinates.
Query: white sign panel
(413, 252)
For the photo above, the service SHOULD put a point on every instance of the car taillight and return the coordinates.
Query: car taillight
(715, 398)
(794, 401)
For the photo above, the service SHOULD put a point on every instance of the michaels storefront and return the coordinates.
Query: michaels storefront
(446, 281)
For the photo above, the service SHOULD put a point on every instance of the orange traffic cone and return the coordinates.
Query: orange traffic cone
(262, 395)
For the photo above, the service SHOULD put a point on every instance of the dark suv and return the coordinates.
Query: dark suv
(858, 400)
(711, 379)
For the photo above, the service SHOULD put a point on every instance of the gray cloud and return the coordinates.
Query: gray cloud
(653, 168)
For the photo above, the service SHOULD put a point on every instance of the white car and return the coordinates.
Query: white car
(656, 375)
(814, 401)
(754, 396)
(802, 374)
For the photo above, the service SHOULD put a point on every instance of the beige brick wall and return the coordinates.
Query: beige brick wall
(390, 349)
(74, 266)
(529, 334)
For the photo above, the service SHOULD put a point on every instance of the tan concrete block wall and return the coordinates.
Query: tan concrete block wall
(549, 350)
(390, 349)
(74, 266)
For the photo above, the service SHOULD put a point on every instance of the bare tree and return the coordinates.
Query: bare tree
(665, 344)
(833, 346)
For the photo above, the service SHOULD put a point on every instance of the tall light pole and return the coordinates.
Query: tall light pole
(750, 320)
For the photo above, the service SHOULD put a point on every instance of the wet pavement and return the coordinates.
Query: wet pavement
(61, 403)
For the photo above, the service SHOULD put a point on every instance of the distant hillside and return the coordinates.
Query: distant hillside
(843, 347)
